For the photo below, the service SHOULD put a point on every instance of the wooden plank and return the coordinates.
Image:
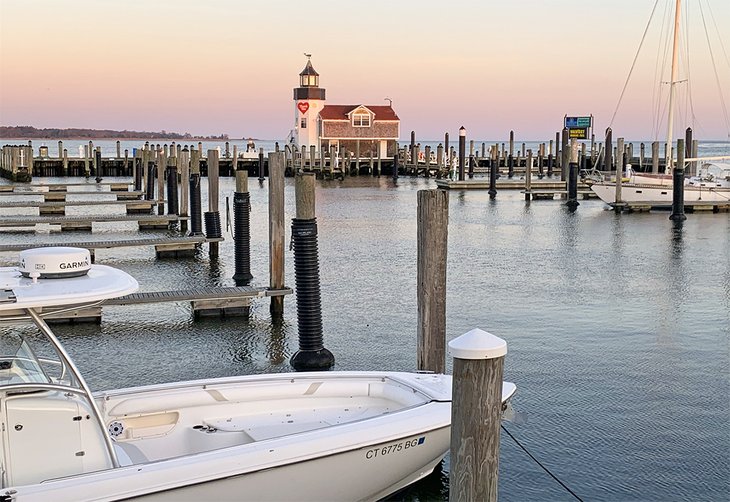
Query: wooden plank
(11, 221)
(111, 244)
(64, 203)
(136, 193)
(198, 294)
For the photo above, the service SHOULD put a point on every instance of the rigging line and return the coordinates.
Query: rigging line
(717, 31)
(714, 69)
(660, 64)
(633, 64)
(538, 463)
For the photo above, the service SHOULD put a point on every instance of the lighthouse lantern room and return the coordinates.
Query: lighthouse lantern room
(308, 102)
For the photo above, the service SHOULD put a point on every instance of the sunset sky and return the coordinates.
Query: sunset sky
(226, 66)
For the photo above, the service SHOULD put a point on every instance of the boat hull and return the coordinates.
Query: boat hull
(659, 195)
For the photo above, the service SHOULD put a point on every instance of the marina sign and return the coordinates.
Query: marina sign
(578, 132)
(578, 122)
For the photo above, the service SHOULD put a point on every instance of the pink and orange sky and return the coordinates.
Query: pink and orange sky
(226, 66)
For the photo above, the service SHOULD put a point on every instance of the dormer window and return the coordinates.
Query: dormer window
(361, 118)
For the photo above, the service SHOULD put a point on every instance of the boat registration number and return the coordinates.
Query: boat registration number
(394, 448)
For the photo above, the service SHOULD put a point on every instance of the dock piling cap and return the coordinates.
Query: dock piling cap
(477, 344)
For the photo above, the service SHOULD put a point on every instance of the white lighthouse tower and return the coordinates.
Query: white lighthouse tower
(308, 102)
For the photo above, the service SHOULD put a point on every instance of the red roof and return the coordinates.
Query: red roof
(339, 112)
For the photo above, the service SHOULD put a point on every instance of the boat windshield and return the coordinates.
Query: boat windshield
(20, 363)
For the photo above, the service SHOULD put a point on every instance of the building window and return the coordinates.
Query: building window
(361, 119)
(303, 123)
(309, 81)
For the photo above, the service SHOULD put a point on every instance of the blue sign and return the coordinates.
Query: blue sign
(578, 122)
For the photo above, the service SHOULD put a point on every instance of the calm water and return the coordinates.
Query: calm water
(618, 327)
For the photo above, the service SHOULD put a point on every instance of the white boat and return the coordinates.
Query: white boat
(656, 190)
(292, 436)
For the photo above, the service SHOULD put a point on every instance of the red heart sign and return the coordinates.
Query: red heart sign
(303, 106)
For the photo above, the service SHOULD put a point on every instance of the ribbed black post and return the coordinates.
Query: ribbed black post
(472, 161)
(510, 166)
(138, 174)
(678, 182)
(212, 224)
(172, 200)
(572, 202)
(395, 164)
(242, 230)
(97, 164)
(311, 354)
(493, 166)
(462, 151)
(196, 223)
(261, 164)
(151, 170)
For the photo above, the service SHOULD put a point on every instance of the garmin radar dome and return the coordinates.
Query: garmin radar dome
(54, 262)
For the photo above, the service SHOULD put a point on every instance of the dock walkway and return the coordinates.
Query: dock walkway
(164, 246)
(145, 221)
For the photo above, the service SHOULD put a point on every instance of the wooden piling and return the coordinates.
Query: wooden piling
(655, 157)
(433, 219)
(619, 171)
(276, 229)
(476, 416)
(528, 174)
(161, 167)
(565, 157)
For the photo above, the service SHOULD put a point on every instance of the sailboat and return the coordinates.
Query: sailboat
(313, 436)
(709, 187)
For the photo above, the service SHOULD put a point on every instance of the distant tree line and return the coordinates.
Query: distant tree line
(30, 132)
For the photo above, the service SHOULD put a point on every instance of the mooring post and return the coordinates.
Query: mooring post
(462, 151)
(172, 198)
(60, 149)
(557, 149)
(196, 220)
(432, 240)
(312, 355)
(440, 158)
(395, 163)
(572, 201)
(234, 161)
(608, 151)
(427, 158)
(184, 162)
(528, 175)
(212, 216)
(276, 230)
(261, 166)
(618, 206)
(493, 173)
(695, 146)
(510, 166)
(565, 157)
(655, 157)
(161, 167)
(412, 149)
(151, 169)
(476, 416)
(65, 162)
(642, 153)
(96, 168)
(242, 230)
(678, 182)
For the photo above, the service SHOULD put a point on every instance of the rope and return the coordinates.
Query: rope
(714, 68)
(542, 466)
(633, 64)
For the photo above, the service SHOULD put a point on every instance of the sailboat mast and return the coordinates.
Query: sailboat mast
(672, 82)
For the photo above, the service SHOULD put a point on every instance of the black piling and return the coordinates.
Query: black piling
(242, 230)
(395, 164)
(572, 201)
(510, 166)
(312, 355)
(138, 174)
(462, 151)
(96, 168)
(151, 170)
(261, 165)
(678, 185)
(550, 165)
(608, 152)
(196, 223)
(172, 197)
(493, 175)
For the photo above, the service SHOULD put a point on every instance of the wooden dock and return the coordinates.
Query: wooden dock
(145, 221)
(164, 246)
(204, 301)
(503, 184)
